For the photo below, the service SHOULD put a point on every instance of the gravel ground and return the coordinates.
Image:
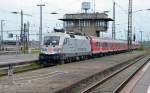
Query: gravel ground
(49, 80)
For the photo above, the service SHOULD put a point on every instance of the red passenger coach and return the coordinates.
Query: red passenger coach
(99, 45)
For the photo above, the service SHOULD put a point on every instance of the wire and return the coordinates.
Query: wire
(124, 10)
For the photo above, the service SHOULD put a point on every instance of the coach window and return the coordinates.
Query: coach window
(105, 44)
(102, 44)
(112, 45)
(96, 44)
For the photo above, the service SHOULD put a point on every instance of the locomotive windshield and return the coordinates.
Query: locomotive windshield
(51, 40)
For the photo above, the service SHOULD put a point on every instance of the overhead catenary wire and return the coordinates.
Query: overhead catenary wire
(135, 21)
(125, 11)
(117, 4)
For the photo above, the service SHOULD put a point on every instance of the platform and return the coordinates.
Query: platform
(52, 79)
(140, 83)
(143, 85)
(4, 59)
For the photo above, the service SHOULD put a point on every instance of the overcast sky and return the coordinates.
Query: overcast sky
(140, 19)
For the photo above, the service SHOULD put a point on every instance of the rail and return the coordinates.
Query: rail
(96, 87)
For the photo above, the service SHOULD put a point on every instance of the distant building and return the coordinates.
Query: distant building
(86, 23)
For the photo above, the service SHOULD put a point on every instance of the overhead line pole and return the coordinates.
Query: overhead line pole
(114, 22)
(40, 29)
(21, 33)
(130, 26)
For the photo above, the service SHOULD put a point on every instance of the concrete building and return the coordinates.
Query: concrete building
(86, 23)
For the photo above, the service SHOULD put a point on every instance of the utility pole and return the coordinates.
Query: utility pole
(2, 42)
(141, 37)
(25, 38)
(40, 29)
(22, 36)
(134, 36)
(114, 22)
(28, 37)
(21, 33)
(17, 45)
(130, 26)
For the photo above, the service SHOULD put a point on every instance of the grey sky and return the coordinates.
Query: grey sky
(140, 19)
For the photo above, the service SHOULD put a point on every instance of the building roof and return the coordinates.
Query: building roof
(75, 19)
(86, 16)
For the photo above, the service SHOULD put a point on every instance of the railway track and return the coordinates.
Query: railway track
(114, 82)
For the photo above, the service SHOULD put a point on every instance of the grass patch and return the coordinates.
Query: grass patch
(34, 51)
(141, 47)
(3, 72)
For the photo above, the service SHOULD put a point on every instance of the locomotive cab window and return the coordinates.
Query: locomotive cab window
(51, 40)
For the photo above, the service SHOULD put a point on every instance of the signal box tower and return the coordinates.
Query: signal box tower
(86, 22)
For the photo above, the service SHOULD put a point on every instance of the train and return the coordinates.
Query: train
(58, 47)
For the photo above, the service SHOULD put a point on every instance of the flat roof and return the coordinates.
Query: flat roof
(76, 19)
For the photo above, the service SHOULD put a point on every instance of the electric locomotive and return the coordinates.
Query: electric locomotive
(57, 47)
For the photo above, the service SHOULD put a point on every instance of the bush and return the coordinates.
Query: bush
(141, 47)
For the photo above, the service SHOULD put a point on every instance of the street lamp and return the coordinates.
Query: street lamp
(21, 37)
(21, 13)
(22, 28)
(40, 28)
